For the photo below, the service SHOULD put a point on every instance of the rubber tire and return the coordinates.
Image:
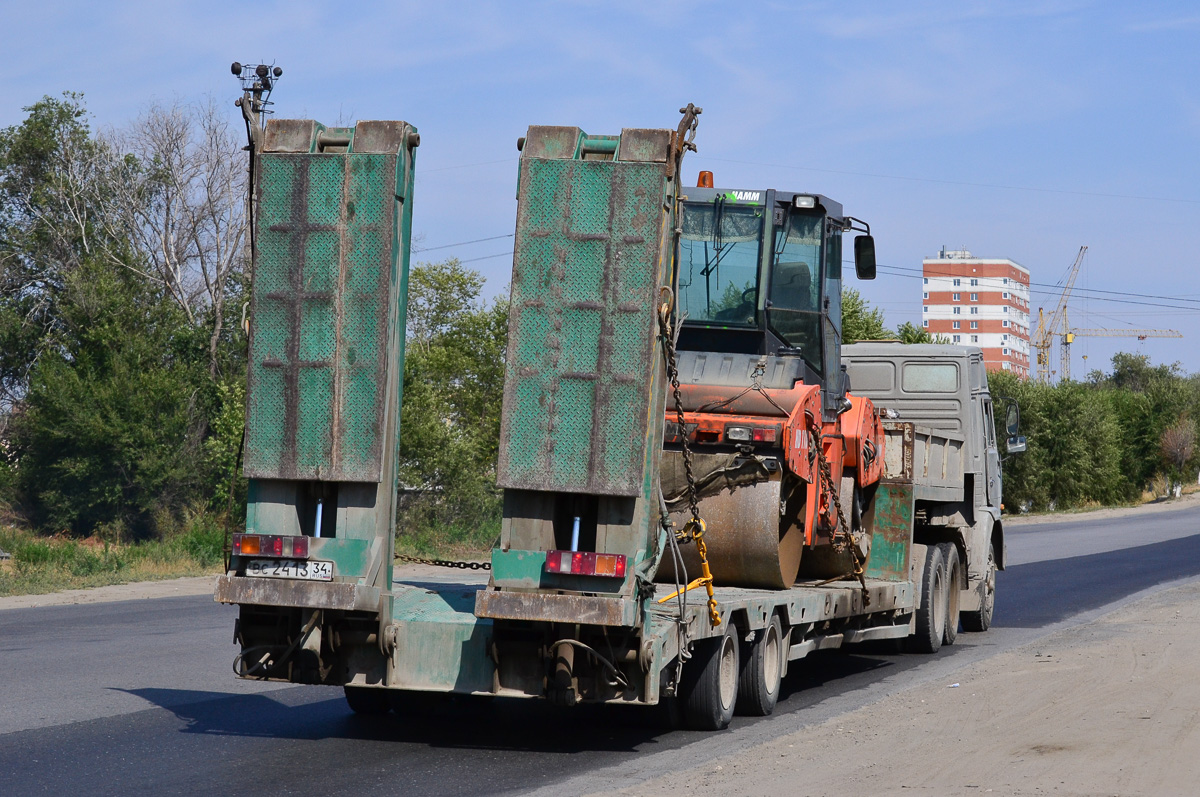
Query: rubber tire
(368, 701)
(762, 671)
(982, 620)
(953, 591)
(931, 613)
(708, 687)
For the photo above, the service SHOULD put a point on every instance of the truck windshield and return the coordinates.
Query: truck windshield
(794, 307)
(718, 263)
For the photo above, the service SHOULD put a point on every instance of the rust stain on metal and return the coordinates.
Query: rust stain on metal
(286, 592)
(583, 609)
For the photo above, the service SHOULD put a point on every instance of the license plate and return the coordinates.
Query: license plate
(290, 568)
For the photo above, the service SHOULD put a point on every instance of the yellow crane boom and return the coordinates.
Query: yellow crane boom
(1100, 332)
(1043, 337)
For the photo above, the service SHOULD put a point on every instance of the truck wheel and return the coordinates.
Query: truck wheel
(762, 671)
(953, 579)
(931, 613)
(982, 619)
(368, 700)
(709, 684)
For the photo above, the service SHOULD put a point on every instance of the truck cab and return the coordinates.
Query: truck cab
(944, 388)
(760, 275)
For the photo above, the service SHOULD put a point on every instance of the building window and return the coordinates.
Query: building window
(1006, 308)
(1005, 295)
(957, 282)
(926, 296)
(958, 338)
(1006, 338)
(925, 322)
(955, 296)
(924, 309)
(974, 338)
(1005, 366)
(974, 297)
(957, 310)
(974, 283)
(925, 281)
(1005, 352)
(1006, 322)
(974, 325)
(974, 311)
(1005, 280)
(955, 325)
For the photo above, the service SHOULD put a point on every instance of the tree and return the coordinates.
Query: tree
(54, 180)
(119, 256)
(453, 391)
(909, 332)
(860, 321)
(182, 206)
(1178, 445)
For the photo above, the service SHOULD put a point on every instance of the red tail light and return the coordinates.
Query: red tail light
(274, 545)
(585, 563)
(764, 435)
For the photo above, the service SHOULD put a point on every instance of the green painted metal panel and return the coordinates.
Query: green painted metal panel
(518, 568)
(324, 284)
(582, 325)
(891, 541)
(351, 558)
(443, 645)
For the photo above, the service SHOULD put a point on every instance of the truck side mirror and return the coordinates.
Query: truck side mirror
(1012, 417)
(1012, 423)
(864, 257)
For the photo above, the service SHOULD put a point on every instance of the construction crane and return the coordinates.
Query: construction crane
(1043, 338)
(1140, 334)
(1057, 324)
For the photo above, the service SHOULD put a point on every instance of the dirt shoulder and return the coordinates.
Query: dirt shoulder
(1107, 707)
(198, 585)
(141, 590)
(1188, 500)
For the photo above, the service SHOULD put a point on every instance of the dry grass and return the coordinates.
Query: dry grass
(51, 564)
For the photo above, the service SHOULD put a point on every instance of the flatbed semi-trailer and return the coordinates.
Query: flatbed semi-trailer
(672, 354)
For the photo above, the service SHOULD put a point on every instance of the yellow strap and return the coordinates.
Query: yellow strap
(693, 585)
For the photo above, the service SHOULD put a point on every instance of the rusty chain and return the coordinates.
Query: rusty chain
(843, 537)
(445, 562)
(694, 529)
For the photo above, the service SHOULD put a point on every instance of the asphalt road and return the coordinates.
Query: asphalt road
(138, 697)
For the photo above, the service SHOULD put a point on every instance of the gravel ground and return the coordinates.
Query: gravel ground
(1110, 707)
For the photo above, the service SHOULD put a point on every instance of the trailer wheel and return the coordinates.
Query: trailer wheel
(953, 577)
(982, 620)
(708, 687)
(762, 671)
(368, 700)
(931, 614)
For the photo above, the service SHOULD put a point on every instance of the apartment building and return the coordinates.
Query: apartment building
(980, 302)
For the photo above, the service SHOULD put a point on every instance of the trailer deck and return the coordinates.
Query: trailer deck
(445, 647)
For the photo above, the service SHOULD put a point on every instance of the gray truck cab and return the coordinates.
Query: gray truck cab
(944, 388)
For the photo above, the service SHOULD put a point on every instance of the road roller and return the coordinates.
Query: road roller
(784, 459)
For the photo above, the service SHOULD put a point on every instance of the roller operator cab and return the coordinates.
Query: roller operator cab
(760, 273)
(758, 281)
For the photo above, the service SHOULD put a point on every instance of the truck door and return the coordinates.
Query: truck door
(991, 455)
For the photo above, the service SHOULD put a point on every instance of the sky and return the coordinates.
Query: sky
(1018, 130)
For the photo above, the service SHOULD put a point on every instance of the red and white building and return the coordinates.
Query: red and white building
(982, 302)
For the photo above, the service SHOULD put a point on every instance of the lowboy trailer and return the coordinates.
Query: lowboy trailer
(693, 496)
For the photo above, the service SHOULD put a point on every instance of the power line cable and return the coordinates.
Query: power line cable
(956, 182)
(462, 243)
(1056, 285)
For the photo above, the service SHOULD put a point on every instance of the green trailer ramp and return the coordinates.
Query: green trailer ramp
(582, 421)
(326, 354)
